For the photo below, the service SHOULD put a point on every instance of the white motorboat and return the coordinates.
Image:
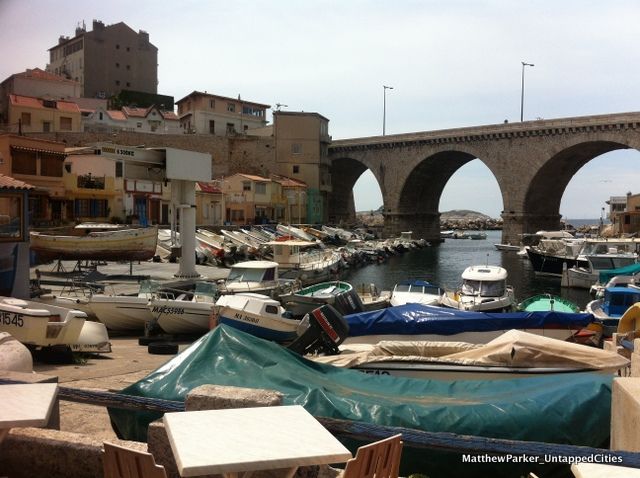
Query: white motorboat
(507, 247)
(41, 325)
(256, 314)
(584, 277)
(484, 288)
(415, 292)
(188, 313)
(513, 354)
(372, 298)
(260, 277)
(302, 260)
(124, 313)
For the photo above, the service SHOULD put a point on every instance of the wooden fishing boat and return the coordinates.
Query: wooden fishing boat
(542, 302)
(337, 293)
(119, 245)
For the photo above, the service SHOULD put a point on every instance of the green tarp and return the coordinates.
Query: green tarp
(567, 408)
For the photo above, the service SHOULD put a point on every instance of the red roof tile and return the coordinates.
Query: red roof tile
(169, 115)
(288, 182)
(208, 188)
(135, 112)
(7, 182)
(31, 102)
(117, 115)
(254, 177)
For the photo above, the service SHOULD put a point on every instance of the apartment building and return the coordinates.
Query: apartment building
(302, 144)
(252, 199)
(106, 60)
(204, 113)
(28, 114)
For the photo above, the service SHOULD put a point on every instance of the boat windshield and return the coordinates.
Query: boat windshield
(610, 262)
(240, 274)
(483, 288)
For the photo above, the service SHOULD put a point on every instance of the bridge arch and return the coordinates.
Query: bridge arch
(345, 172)
(541, 202)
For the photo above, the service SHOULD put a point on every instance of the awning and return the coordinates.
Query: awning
(37, 150)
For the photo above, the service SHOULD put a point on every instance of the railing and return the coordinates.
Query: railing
(87, 181)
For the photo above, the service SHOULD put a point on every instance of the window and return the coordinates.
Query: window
(65, 123)
(46, 126)
(212, 127)
(117, 47)
(296, 148)
(231, 128)
(25, 119)
(231, 107)
(101, 116)
(23, 162)
(212, 104)
(117, 65)
(117, 82)
(128, 84)
(246, 185)
(139, 124)
(51, 165)
(90, 207)
(296, 169)
(261, 188)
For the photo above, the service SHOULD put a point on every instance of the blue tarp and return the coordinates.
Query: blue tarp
(606, 275)
(428, 319)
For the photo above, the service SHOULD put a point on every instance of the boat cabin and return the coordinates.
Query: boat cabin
(418, 287)
(289, 253)
(253, 271)
(618, 299)
(484, 281)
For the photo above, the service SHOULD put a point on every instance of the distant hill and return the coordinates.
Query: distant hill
(463, 215)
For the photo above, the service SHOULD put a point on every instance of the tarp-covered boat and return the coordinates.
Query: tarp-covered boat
(425, 322)
(570, 409)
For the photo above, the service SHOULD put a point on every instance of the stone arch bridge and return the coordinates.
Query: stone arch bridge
(532, 162)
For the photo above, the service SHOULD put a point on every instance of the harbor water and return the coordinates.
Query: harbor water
(443, 264)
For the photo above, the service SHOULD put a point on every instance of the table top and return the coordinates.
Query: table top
(26, 405)
(249, 439)
(596, 470)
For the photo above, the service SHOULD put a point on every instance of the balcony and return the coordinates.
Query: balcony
(87, 181)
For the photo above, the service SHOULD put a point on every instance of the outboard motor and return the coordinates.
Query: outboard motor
(320, 331)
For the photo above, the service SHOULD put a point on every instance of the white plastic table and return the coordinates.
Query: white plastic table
(27, 405)
(236, 442)
(595, 470)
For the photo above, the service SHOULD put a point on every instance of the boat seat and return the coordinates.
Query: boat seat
(181, 297)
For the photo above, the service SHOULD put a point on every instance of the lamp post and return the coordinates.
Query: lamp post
(384, 106)
(522, 89)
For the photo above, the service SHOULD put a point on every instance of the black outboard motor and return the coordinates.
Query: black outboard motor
(323, 329)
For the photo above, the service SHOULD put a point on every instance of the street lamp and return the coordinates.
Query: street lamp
(522, 89)
(384, 106)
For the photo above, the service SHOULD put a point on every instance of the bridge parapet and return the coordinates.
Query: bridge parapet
(579, 124)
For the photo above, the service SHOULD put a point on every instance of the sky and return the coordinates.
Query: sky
(452, 63)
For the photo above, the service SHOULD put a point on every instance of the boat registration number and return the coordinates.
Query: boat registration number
(163, 309)
(11, 318)
(246, 318)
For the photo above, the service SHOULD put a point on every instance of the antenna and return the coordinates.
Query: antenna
(280, 105)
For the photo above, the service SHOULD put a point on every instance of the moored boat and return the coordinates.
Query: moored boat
(261, 277)
(117, 245)
(484, 288)
(341, 295)
(544, 302)
(415, 292)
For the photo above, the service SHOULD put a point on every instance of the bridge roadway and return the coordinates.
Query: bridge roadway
(532, 162)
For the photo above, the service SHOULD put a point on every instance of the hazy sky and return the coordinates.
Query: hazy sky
(452, 63)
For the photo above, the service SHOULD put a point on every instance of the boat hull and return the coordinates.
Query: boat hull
(549, 264)
(122, 314)
(181, 316)
(128, 244)
(259, 326)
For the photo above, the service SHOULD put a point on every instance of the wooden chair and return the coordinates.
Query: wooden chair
(380, 459)
(120, 462)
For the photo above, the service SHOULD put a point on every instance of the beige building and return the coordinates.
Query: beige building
(302, 142)
(37, 115)
(210, 204)
(36, 83)
(627, 221)
(251, 199)
(294, 194)
(203, 113)
(107, 60)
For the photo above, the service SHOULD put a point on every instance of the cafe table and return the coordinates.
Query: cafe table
(236, 442)
(26, 405)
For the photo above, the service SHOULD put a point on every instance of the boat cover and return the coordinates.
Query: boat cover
(514, 348)
(571, 409)
(412, 319)
(607, 274)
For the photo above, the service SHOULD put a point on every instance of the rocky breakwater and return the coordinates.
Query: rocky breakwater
(468, 220)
